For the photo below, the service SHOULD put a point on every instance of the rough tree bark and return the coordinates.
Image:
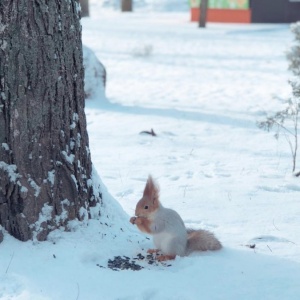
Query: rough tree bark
(203, 13)
(84, 8)
(45, 163)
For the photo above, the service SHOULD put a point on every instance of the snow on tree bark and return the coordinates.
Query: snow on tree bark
(45, 163)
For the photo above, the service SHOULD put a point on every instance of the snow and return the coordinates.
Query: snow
(75, 181)
(3, 45)
(202, 92)
(146, 5)
(35, 186)
(11, 171)
(69, 158)
(5, 146)
(51, 177)
(45, 215)
(64, 215)
(94, 74)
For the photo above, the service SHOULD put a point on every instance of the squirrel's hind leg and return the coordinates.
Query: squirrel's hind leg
(165, 257)
(160, 257)
(153, 251)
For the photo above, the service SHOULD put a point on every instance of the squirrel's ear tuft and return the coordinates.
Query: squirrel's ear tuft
(151, 189)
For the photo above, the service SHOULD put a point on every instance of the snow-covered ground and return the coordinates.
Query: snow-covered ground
(145, 5)
(202, 92)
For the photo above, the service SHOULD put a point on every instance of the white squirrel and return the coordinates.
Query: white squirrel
(170, 235)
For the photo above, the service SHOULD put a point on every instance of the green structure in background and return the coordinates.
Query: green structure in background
(227, 4)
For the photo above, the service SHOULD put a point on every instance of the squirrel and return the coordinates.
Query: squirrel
(170, 236)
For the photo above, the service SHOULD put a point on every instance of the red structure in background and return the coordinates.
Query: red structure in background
(260, 11)
(223, 15)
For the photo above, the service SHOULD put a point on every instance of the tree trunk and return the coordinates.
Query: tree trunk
(84, 8)
(126, 5)
(203, 13)
(45, 163)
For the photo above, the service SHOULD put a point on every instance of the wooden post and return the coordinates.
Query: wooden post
(203, 13)
(126, 5)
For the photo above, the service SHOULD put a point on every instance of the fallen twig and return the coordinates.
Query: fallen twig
(10, 262)
(151, 132)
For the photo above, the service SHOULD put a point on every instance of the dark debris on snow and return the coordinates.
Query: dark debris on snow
(119, 263)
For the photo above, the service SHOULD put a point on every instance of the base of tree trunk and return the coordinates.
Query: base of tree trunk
(126, 5)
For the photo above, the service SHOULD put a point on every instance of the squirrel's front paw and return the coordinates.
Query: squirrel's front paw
(132, 220)
(139, 220)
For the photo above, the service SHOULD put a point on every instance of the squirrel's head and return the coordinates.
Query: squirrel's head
(150, 200)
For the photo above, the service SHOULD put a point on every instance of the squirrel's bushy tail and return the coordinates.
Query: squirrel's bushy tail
(201, 240)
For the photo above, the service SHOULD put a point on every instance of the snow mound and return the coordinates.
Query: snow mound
(95, 75)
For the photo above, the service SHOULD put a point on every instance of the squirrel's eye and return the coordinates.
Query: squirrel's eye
(146, 207)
